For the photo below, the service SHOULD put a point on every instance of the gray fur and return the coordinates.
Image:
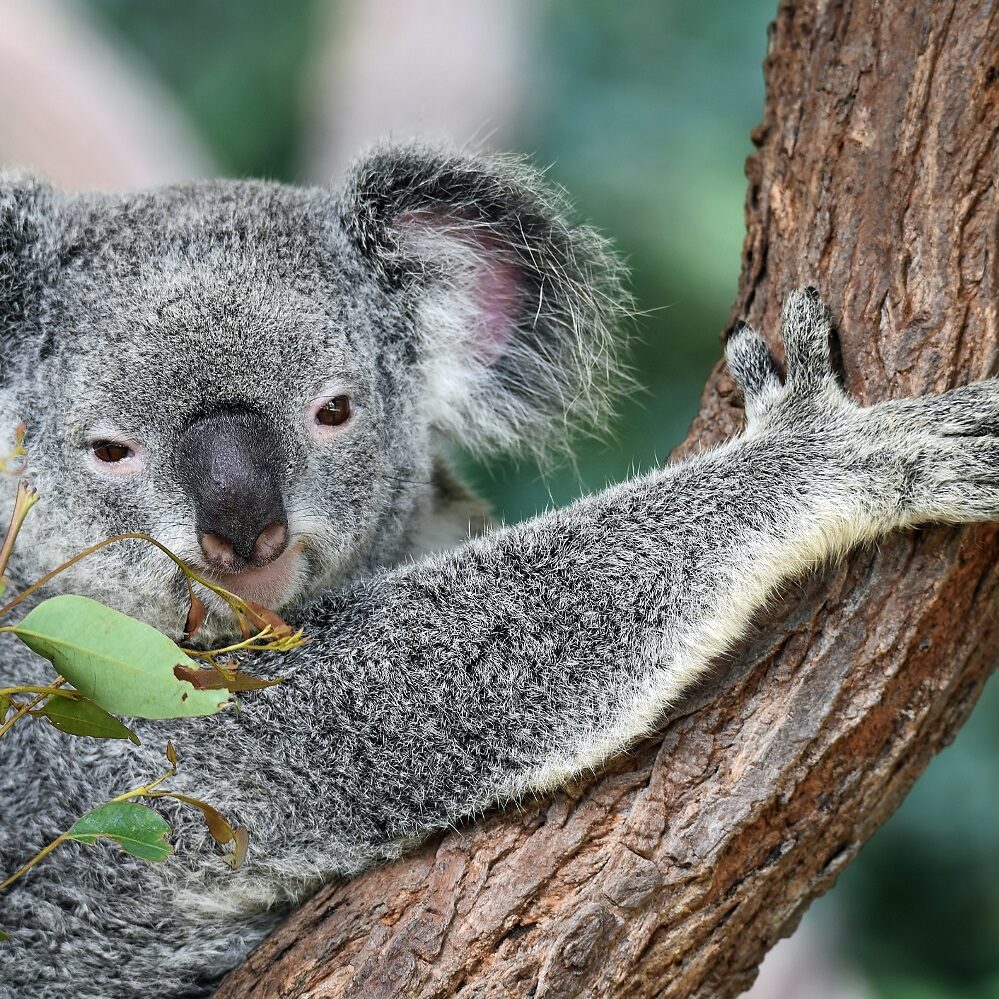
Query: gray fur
(433, 687)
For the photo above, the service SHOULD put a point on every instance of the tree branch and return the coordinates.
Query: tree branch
(676, 869)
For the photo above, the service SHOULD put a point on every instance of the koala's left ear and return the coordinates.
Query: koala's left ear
(24, 207)
(516, 308)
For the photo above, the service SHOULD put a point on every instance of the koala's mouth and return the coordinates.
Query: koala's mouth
(274, 585)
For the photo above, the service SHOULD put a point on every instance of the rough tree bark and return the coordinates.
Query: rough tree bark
(676, 869)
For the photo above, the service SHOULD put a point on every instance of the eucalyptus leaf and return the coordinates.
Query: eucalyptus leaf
(80, 716)
(218, 824)
(121, 664)
(138, 830)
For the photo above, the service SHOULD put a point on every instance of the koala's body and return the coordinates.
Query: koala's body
(266, 378)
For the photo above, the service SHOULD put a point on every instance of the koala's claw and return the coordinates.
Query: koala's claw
(752, 366)
(806, 327)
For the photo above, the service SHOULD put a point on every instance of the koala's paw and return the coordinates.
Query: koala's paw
(905, 461)
(951, 444)
(806, 328)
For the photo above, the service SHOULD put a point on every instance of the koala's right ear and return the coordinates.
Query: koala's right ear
(25, 207)
(514, 308)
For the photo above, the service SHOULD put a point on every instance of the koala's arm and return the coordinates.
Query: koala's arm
(435, 690)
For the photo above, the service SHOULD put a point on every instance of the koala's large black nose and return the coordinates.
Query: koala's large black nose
(230, 464)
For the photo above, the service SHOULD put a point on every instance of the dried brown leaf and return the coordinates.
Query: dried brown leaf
(263, 617)
(213, 679)
(241, 839)
(195, 615)
(218, 825)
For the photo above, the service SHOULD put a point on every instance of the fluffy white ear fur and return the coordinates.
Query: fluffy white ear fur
(518, 308)
(468, 316)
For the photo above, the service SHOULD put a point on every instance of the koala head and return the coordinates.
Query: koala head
(264, 377)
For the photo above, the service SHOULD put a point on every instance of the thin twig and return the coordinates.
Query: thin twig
(25, 708)
(25, 499)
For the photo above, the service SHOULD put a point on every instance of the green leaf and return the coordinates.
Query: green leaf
(4, 707)
(3, 937)
(120, 663)
(79, 716)
(138, 830)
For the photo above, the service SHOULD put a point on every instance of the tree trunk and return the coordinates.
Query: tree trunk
(676, 869)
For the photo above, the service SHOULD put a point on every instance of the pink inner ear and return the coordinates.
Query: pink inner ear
(498, 294)
(498, 286)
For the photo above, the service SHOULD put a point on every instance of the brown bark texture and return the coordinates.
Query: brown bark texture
(673, 871)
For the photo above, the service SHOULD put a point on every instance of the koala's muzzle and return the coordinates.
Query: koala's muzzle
(230, 464)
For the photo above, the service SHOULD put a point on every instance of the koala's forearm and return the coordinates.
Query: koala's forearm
(432, 692)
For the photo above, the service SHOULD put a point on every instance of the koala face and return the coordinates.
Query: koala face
(263, 377)
(218, 380)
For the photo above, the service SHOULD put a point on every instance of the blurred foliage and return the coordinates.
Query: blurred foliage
(643, 110)
(236, 67)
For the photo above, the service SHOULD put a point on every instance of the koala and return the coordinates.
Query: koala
(267, 379)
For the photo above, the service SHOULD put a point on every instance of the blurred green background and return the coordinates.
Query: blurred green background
(643, 109)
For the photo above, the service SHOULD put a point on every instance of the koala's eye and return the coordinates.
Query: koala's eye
(110, 452)
(335, 412)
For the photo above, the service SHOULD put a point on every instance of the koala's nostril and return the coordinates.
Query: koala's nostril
(270, 543)
(218, 550)
(223, 553)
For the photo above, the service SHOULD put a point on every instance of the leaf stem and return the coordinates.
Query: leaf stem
(245, 611)
(25, 708)
(247, 643)
(147, 790)
(230, 598)
(25, 499)
(31, 688)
